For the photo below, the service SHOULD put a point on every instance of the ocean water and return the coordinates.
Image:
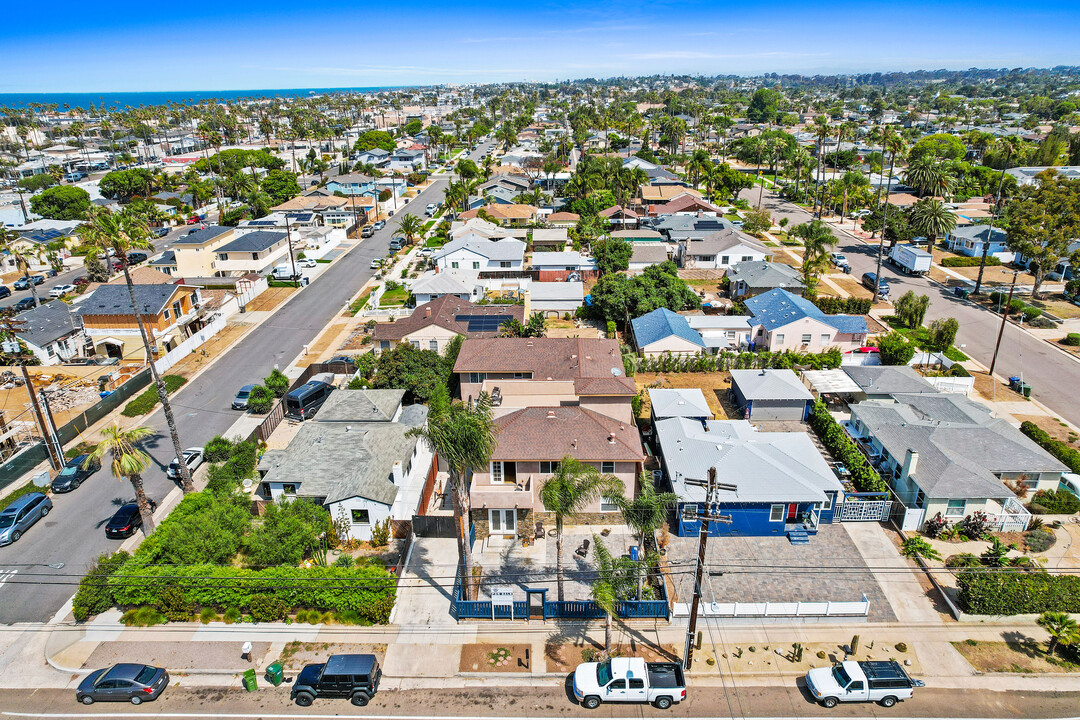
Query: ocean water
(120, 100)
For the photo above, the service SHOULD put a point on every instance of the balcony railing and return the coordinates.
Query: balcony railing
(502, 495)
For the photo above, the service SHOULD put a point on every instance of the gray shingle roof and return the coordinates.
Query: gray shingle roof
(203, 235)
(115, 299)
(888, 379)
(770, 385)
(254, 241)
(763, 274)
(46, 323)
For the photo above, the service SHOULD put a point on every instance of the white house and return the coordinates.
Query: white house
(479, 255)
(51, 332)
(721, 250)
(356, 459)
(554, 299)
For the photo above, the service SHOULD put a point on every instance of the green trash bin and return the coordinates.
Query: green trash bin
(1025, 390)
(250, 683)
(275, 674)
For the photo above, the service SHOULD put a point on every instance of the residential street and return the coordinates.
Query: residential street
(73, 533)
(1046, 369)
(498, 699)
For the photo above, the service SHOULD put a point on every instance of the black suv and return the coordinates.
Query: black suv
(342, 676)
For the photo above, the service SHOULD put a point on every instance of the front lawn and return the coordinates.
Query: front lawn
(396, 297)
(921, 337)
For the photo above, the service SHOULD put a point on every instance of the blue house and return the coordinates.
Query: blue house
(662, 331)
(969, 240)
(782, 321)
(354, 184)
(784, 485)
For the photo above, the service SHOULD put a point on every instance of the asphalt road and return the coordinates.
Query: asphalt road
(73, 532)
(1048, 370)
(538, 703)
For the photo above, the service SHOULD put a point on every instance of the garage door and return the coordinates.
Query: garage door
(776, 410)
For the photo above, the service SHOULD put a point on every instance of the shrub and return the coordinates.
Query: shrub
(217, 449)
(208, 615)
(611, 329)
(231, 616)
(95, 595)
(1012, 593)
(1072, 339)
(267, 608)
(849, 305)
(1062, 451)
(894, 349)
(345, 561)
(901, 647)
(174, 604)
(1055, 502)
(261, 400)
(970, 261)
(863, 475)
(942, 333)
(285, 533)
(963, 560)
(915, 547)
(935, 525)
(1039, 540)
(142, 617)
(147, 400)
(1072, 287)
(974, 525)
(380, 533)
(277, 383)
(204, 528)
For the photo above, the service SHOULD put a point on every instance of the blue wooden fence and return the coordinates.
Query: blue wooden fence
(462, 609)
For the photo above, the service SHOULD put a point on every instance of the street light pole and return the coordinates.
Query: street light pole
(1001, 330)
(711, 488)
(292, 257)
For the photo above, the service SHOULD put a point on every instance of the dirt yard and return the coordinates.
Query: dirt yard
(988, 386)
(992, 275)
(564, 657)
(853, 287)
(1027, 656)
(270, 299)
(297, 654)
(485, 657)
(1058, 306)
(191, 363)
(715, 386)
(1054, 427)
(779, 657)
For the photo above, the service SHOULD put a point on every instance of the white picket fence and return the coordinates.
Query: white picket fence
(174, 356)
(776, 609)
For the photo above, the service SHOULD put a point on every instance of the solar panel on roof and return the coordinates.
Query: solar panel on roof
(483, 323)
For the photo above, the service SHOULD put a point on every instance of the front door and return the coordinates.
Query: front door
(502, 525)
(792, 512)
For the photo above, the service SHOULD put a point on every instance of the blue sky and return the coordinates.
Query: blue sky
(127, 46)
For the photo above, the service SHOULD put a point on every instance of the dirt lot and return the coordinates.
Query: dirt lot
(564, 657)
(715, 386)
(574, 328)
(991, 389)
(81, 383)
(1054, 427)
(270, 299)
(484, 657)
(854, 288)
(297, 654)
(993, 274)
(1057, 305)
(1012, 657)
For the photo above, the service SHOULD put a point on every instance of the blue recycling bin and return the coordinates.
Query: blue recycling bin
(634, 553)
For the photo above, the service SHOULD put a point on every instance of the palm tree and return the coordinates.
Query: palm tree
(572, 488)
(800, 159)
(931, 218)
(1062, 628)
(464, 436)
(411, 227)
(122, 232)
(128, 461)
(646, 513)
(817, 239)
(928, 176)
(821, 133)
(850, 181)
(893, 144)
(612, 583)
(1011, 145)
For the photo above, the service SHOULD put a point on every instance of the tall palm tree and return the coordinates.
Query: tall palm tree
(850, 181)
(612, 583)
(928, 176)
(411, 227)
(122, 232)
(645, 514)
(800, 160)
(817, 239)
(464, 436)
(821, 133)
(931, 218)
(572, 488)
(128, 461)
(893, 144)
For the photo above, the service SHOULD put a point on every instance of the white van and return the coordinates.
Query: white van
(285, 272)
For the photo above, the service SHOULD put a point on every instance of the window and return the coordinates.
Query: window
(747, 258)
(496, 471)
(165, 313)
(176, 309)
(637, 683)
(776, 513)
(780, 338)
(956, 508)
(475, 377)
(254, 256)
(433, 345)
(454, 264)
(828, 502)
(523, 376)
(608, 507)
(49, 350)
(825, 338)
(548, 466)
(475, 266)
(724, 259)
(384, 344)
(504, 263)
(806, 338)
(223, 256)
(607, 466)
(415, 344)
(690, 511)
(288, 489)
(361, 517)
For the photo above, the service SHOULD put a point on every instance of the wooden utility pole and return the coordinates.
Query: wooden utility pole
(1004, 317)
(706, 517)
(56, 454)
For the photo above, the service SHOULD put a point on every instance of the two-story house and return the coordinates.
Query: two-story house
(169, 313)
(51, 331)
(486, 258)
(352, 184)
(252, 252)
(435, 323)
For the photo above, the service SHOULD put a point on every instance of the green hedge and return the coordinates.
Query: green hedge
(147, 400)
(94, 595)
(1018, 593)
(1068, 455)
(970, 261)
(863, 475)
(367, 590)
(849, 305)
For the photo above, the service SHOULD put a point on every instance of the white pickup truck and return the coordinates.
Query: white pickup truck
(629, 680)
(881, 681)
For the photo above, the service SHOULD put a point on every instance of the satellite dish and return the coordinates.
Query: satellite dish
(616, 372)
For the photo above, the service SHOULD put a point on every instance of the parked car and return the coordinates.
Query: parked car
(241, 400)
(5, 291)
(838, 259)
(306, 262)
(193, 458)
(74, 176)
(27, 303)
(1070, 482)
(431, 209)
(80, 281)
(61, 290)
(160, 232)
(17, 517)
(880, 681)
(870, 279)
(124, 522)
(134, 257)
(379, 224)
(367, 231)
(629, 680)
(125, 682)
(376, 263)
(50, 273)
(25, 281)
(342, 676)
(303, 402)
(76, 470)
(397, 243)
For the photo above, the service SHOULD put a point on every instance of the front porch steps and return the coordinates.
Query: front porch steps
(798, 537)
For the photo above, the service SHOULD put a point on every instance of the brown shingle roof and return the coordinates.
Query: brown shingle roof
(684, 203)
(447, 312)
(552, 433)
(563, 217)
(586, 361)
